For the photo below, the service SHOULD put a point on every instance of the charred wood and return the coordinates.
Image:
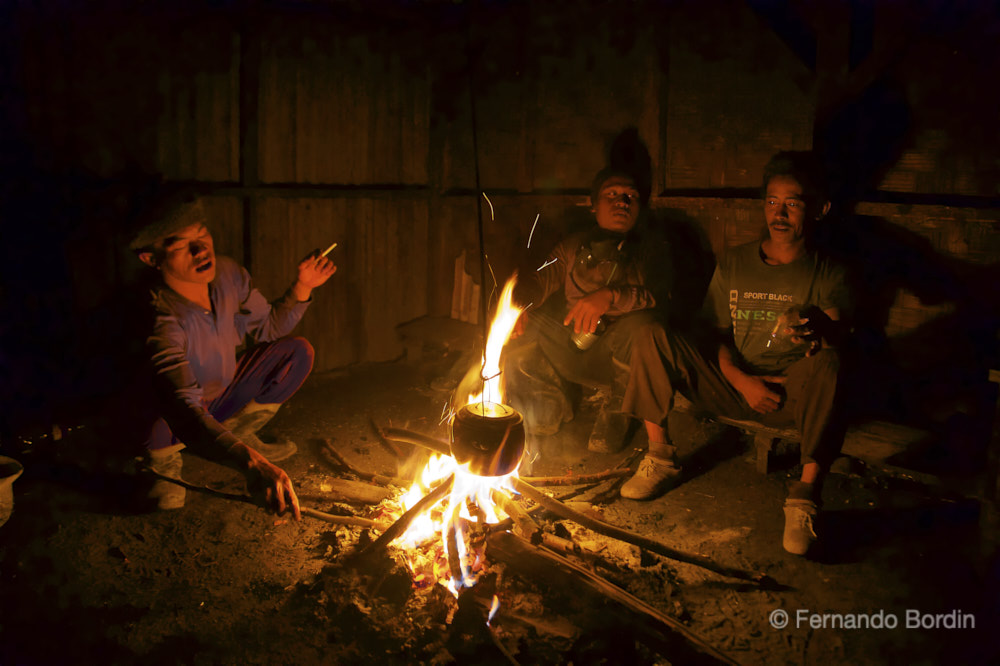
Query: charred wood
(658, 631)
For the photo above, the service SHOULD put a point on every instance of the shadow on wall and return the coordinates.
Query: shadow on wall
(934, 374)
(66, 340)
(916, 373)
(679, 255)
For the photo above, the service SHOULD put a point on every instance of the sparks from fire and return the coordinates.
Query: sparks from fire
(533, 229)
(547, 263)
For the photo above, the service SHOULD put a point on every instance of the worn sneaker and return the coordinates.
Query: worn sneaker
(653, 478)
(609, 433)
(273, 452)
(799, 533)
(165, 495)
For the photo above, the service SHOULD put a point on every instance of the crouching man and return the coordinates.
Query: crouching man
(204, 395)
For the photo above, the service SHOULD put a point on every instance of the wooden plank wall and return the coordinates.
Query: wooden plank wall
(339, 107)
(548, 106)
(382, 268)
(365, 132)
(732, 102)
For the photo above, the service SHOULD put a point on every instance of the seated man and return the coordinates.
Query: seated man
(202, 308)
(595, 290)
(778, 304)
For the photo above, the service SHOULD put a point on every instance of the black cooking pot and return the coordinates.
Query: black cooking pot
(489, 438)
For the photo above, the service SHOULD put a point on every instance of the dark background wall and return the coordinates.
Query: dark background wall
(374, 125)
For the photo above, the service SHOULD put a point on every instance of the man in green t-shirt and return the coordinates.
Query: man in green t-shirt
(778, 304)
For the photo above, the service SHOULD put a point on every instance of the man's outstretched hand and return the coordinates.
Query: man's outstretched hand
(270, 485)
(314, 270)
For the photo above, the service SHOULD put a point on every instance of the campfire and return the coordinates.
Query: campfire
(487, 443)
(466, 514)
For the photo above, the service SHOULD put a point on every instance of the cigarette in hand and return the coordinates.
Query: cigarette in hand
(328, 250)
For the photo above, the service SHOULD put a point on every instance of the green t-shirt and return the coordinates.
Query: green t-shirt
(750, 295)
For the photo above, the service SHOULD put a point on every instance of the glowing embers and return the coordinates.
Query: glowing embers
(445, 542)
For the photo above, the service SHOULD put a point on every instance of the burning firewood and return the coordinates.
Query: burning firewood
(524, 526)
(562, 510)
(400, 526)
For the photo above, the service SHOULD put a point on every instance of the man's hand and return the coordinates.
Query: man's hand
(814, 327)
(518, 329)
(585, 313)
(268, 483)
(314, 270)
(759, 395)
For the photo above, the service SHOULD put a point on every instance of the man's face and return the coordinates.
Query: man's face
(785, 210)
(617, 206)
(188, 256)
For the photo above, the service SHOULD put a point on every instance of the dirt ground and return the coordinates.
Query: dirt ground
(85, 578)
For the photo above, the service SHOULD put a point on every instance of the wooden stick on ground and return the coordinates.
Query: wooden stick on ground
(567, 547)
(577, 480)
(651, 545)
(665, 634)
(397, 529)
(246, 499)
(383, 442)
(612, 491)
(379, 479)
(554, 625)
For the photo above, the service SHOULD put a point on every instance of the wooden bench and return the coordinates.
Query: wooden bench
(874, 442)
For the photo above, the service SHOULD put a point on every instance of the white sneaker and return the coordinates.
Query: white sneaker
(166, 496)
(653, 478)
(799, 533)
(273, 452)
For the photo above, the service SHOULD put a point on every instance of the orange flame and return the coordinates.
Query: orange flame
(500, 331)
(468, 487)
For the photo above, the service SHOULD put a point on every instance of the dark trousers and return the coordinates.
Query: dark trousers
(540, 366)
(664, 362)
(269, 373)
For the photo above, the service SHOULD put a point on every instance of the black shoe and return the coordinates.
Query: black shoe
(610, 433)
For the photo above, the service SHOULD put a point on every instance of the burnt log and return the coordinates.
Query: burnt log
(560, 509)
(654, 629)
